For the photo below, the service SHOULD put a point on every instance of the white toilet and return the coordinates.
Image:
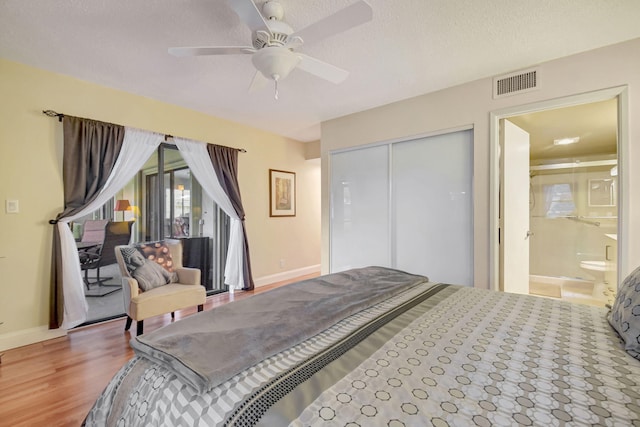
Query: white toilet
(595, 269)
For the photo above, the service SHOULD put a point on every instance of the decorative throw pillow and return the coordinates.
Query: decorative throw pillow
(625, 313)
(151, 275)
(160, 254)
(132, 258)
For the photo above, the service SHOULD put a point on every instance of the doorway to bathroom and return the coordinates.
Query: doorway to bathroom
(559, 202)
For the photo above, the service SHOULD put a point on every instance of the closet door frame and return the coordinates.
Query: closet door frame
(391, 208)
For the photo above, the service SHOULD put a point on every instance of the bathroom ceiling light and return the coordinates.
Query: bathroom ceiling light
(566, 141)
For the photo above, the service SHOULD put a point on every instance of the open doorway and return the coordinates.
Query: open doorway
(559, 205)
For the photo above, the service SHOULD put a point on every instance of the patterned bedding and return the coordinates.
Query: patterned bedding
(432, 355)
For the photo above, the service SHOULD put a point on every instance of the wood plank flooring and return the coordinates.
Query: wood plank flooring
(55, 382)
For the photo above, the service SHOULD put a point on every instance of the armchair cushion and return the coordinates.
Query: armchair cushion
(151, 275)
(148, 273)
(159, 253)
(165, 299)
(128, 254)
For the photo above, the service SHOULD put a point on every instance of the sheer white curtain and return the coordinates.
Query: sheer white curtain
(197, 157)
(137, 147)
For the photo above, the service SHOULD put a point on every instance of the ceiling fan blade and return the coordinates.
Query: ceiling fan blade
(259, 82)
(211, 50)
(349, 17)
(322, 69)
(249, 14)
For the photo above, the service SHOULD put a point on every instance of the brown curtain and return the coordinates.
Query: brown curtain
(90, 152)
(225, 163)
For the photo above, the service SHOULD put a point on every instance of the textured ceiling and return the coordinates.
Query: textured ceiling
(411, 47)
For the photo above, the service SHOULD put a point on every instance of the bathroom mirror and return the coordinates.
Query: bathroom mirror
(602, 192)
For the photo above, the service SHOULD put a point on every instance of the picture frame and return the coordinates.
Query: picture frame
(282, 193)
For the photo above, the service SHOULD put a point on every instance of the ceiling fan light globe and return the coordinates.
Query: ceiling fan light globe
(275, 61)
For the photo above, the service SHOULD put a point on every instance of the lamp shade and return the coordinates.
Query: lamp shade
(122, 205)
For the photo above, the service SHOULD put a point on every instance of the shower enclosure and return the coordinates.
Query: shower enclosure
(573, 223)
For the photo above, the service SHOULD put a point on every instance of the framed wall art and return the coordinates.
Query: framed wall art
(282, 193)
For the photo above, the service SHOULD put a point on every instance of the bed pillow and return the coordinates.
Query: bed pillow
(625, 313)
(159, 253)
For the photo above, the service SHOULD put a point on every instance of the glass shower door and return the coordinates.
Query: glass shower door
(573, 248)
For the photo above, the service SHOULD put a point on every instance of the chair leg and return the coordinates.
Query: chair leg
(200, 307)
(173, 315)
(98, 279)
(140, 327)
(128, 324)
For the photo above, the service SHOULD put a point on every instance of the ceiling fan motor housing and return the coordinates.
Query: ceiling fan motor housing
(280, 31)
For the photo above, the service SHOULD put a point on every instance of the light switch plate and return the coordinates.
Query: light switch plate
(12, 206)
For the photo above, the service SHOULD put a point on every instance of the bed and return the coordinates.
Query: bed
(381, 347)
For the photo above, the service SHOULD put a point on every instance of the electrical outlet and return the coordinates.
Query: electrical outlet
(282, 263)
(12, 206)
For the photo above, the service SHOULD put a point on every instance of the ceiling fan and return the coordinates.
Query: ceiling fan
(274, 41)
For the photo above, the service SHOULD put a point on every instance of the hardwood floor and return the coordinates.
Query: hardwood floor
(55, 382)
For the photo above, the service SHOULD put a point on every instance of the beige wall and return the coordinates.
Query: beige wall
(30, 171)
(471, 104)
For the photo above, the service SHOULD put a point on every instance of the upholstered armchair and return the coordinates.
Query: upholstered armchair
(142, 297)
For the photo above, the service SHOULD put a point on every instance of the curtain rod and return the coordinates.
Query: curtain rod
(167, 137)
(60, 116)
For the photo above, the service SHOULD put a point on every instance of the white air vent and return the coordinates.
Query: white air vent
(514, 83)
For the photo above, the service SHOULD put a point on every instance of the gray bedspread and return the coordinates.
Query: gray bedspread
(209, 348)
(434, 354)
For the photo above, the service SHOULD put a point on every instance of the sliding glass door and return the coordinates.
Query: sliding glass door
(169, 205)
(176, 207)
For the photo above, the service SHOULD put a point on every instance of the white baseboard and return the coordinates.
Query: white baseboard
(29, 336)
(286, 275)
